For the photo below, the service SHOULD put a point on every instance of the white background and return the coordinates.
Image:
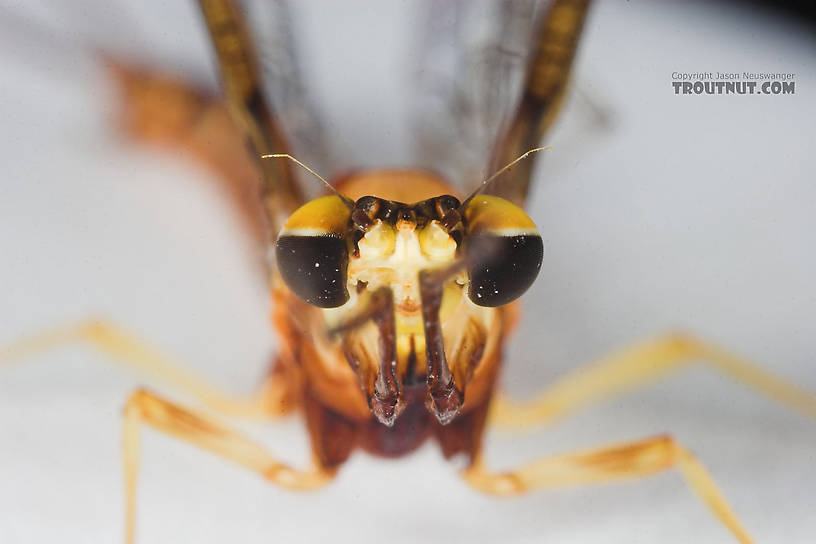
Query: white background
(692, 213)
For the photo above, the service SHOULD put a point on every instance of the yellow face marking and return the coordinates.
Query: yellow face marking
(392, 257)
(378, 242)
(327, 215)
(436, 243)
(497, 216)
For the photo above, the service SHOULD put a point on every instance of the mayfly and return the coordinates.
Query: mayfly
(393, 298)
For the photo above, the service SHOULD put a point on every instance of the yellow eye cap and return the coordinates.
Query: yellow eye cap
(324, 216)
(496, 215)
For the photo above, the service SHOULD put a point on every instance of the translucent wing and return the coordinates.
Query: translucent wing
(469, 71)
(251, 109)
(495, 74)
(283, 84)
(545, 85)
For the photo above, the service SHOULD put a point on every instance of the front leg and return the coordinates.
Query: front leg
(380, 382)
(444, 397)
(144, 408)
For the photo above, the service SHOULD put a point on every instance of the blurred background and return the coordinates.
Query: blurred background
(659, 212)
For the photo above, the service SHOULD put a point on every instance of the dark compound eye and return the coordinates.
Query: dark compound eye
(312, 252)
(504, 267)
(504, 251)
(314, 268)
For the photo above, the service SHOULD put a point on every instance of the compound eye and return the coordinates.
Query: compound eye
(503, 249)
(312, 252)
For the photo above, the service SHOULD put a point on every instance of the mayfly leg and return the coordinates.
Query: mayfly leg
(241, 79)
(548, 75)
(123, 348)
(145, 409)
(638, 366)
(616, 462)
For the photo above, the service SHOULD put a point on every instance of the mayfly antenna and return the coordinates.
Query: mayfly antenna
(346, 200)
(502, 170)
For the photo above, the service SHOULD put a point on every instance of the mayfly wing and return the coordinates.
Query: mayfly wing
(242, 82)
(548, 73)
(283, 84)
(469, 71)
